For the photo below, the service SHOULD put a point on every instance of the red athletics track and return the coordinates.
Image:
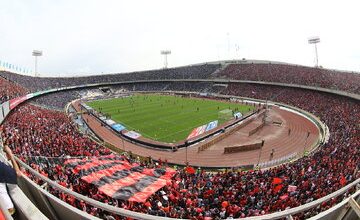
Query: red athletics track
(276, 137)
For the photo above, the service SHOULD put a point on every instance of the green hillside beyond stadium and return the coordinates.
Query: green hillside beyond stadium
(164, 118)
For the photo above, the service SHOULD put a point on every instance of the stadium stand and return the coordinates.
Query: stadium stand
(10, 90)
(44, 138)
(187, 72)
(301, 75)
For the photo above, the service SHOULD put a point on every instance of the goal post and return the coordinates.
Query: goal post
(225, 114)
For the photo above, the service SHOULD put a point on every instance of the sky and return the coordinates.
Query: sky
(83, 37)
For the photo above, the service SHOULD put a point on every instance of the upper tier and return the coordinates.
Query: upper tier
(245, 70)
(293, 74)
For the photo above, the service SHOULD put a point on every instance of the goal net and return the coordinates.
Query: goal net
(225, 114)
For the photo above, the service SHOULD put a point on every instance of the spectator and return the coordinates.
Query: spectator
(8, 175)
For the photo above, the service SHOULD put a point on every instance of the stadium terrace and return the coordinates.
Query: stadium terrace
(62, 145)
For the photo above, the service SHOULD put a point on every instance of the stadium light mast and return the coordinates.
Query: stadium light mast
(36, 54)
(228, 44)
(315, 40)
(165, 53)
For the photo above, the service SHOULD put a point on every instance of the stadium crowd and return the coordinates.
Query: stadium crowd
(268, 72)
(301, 75)
(45, 138)
(58, 100)
(9, 90)
(31, 131)
(187, 72)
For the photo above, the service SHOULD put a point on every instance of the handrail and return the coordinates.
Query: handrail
(306, 206)
(2, 205)
(137, 215)
(276, 162)
(5, 211)
(342, 203)
(22, 204)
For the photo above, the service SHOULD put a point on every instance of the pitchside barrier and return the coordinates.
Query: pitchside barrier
(242, 148)
(276, 162)
(258, 128)
(231, 129)
(223, 135)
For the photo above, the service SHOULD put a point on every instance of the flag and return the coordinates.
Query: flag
(302, 172)
(190, 170)
(117, 178)
(277, 188)
(285, 196)
(277, 180)
(342, 180)
(292, 188)
(309, 169)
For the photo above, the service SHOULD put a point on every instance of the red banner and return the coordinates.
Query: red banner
(119, 179)
(197, 131)
(16, 101)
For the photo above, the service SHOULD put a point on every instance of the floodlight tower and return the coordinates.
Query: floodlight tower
(36, 54)
(315, 40)
(165, 53)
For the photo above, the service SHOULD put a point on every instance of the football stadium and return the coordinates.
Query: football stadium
(227, 139)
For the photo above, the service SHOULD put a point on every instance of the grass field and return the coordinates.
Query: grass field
(164, 118)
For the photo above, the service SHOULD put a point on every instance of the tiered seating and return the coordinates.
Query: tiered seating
(33, 131)
(301, 75)
(9, 90)
(187, 72)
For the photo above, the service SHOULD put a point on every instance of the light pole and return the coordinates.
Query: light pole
(186, 152)
(237, 48)
(165, 53)
(36, 54)
(261, 147)
(307, 136)
(315, 40)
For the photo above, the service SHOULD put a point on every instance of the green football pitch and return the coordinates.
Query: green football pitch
(164, 118)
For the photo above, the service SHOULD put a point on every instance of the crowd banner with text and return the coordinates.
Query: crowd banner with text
(88, 108)
(118, 127)
(17, 101)
(203, 128)
(132, 134)
(110, 122)
(237, 115)
(211, 125)
(197, 131)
